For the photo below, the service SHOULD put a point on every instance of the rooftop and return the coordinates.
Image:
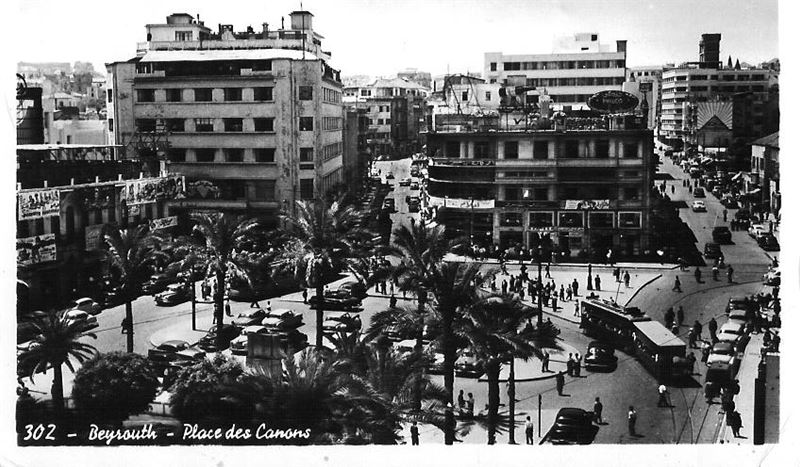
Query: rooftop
(770, 141)
(236, 54)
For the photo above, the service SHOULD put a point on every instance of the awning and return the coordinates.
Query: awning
(217, 54)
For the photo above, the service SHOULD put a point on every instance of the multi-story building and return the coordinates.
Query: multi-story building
(645, 83)
(259, 115)
(707, 80)
(578, 68)
(576, 188)
(396, 111)
(765, 164)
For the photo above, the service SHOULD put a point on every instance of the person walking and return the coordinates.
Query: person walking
(528, 430)
(673, 189)
(560, 383)
(692, 339)
(470, 404)
(669, 318)
(598, 411)
(627, 278)
(576, 368)
(597, 282)
(569, 293)
(730, 274)
(305, 294)
(631, 421)
(504, 287)
(677, 286)
(547, 270)
(691, 360)
(724, 215)
(228, 309)
(697, 275)
(734, 420)
(575, 287)
(662, 396)
(712, 329)
(680, 315)
(392, 301)
(577, 309)
(546, 362)
(461, 402)
(561, 293)
(414, 434)
(570, 365)
(697, 328)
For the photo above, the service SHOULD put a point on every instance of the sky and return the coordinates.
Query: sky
(381, 37)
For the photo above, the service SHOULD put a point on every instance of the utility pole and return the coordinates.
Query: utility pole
(512, 394)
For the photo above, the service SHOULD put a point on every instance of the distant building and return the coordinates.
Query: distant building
(579, 67)
(423, 78)
(645, 83)
(765, 163)
(258, 115)
(30, 116)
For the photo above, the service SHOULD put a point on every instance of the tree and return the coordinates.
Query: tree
(202, 392)
(58, 343)
(217, 245)
(114, 386)
(133, 253)
(494, 328)
(321, 238)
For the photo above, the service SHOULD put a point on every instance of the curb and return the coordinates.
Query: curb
(642, 287)
(622, 265)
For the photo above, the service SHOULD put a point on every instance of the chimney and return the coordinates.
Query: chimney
(282, 27)
(622, 46)
(265, 29)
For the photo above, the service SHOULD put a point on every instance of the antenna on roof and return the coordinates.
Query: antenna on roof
(303, 19)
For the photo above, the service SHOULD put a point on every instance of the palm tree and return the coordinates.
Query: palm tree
(59, 342)
(217, 244)
(493, 327)
(133, 253)
(322, 237)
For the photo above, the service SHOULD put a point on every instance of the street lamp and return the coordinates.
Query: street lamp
(422, 297)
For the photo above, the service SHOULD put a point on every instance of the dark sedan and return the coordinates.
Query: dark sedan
(572, 426)
(600, 356)
(166, 352)
(175, 294)
(249, 318)
(333, 303)
(209, 341)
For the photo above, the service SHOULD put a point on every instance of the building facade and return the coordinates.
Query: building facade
(258, 115)
(765, 163)
(579, 67)
(573, 188)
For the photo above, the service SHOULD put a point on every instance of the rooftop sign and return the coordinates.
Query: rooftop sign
(613, 102)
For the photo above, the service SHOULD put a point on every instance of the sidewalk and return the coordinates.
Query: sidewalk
(531, 370)
(460, 258)
(746, 397)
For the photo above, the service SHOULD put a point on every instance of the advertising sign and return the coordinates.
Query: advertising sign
(36, 204)
(613, 102)
(645, 86)
(435, 201)
(94, 237)
(590, 204)
(150, 190)
(35, 250)
(100, 197)
(164, 222)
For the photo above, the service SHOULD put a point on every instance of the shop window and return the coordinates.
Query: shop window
(511, 219)
(540, 219)
(601, 220)
(630, 220)
(570, 219)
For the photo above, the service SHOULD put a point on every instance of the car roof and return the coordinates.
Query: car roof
(724, 346)
(281, 310)
(250, 329)
(83, 300)
(571, 412)
(175, 342)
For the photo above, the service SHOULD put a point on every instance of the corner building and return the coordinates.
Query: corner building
(256, 116)
(576, 190)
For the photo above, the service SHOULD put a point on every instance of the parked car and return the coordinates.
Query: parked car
(772, 278)
(600, 356)
(174, 294)
(81, 320)
(209, 341)
(334, 303)
(741, 317)
(164, 353)
(111, 297)
(342, 323)
(712, 250)
(354, 289)
(187, 357)
(389, 176)
(157, 283)
(717, 191)
(195, 273)
(722, 352)
(405, 182)
(85, 304)
(768, 242)
(239, 344)
(415, 171)
(282, 319)
(741, 303)
(757, 230)
(467, 365)
(699, 206)
(388, 204)
(414, 185)
(572, 426)
(699, 193)
(251, 317)
(729, 202)
(721, 234)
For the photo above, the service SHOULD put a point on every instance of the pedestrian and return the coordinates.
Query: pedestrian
(561, 293)
(576, 368)
(577, 309)
(555, 304)
(712, 328)
(673, 189)
(560, 383)
(569, 293)
(724, 215)
(631, 421)
(228, 309)
(627, 279)
(522, 293)
(546, 362)
(126, 323)
(414, 434)
(547, 270)
(697, 328)
(305, 293)
(528, 430)
(461, 401)
(709, 391)
(680, 315)
(730, 273)
(734, 420)
(677, 286)
(691, 360)
(598, 411)
(692, 339)
(570, 365)
(392, 301)
(575, 287)
(504, 287)
(662, 396)
(669, 318)
(597, 282)
(470, 404)
(698, 275)
(675, 329)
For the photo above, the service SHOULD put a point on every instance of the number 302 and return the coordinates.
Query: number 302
(37, 432)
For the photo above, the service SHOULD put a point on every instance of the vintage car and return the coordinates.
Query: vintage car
(282, 319)
(600, 356)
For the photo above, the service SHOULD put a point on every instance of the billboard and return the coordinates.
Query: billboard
(613, 102)
(94, 237)
(590, 204)
(164, 222)
(35, 250)
(150, 190)
(102, 197)
(40, 203)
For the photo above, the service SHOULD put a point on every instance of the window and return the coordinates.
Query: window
(264, 190)
(540, 219)
(175, 125)
(306, 93)
(481, 150)
(464, 96)
(234, 154)
(306, 154)
(453, 149)
(631, 150)
(306, 123)
(511, 150)
(205, 155)
(262, 94)
(264, 155)
(571, 148)
(511, 219)
(110, 93)
(183, 35)
(174, 95)
(145, 95)
(233, 124)
(262, 65)
(631, 193)
(513, 193)
(146, 124)
(631, 173)
(570, 219)
(264, 124)
(110, 124)
(493, 66)
(233, 94)
(630, 220)
(540, 149)
(540, 194)
(601, 149)
(203, 125)
(488, 96)
(601, 219)
(307, 188)
(176, 155)
(202, 95)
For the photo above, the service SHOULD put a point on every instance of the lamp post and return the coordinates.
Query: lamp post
(422, 296)
(512, 394)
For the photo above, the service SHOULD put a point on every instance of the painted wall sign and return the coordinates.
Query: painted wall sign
(35, 250)
(36, 204)
(613, 102)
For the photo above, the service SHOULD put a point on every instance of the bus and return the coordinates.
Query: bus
(609, 321)
(659, 350)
